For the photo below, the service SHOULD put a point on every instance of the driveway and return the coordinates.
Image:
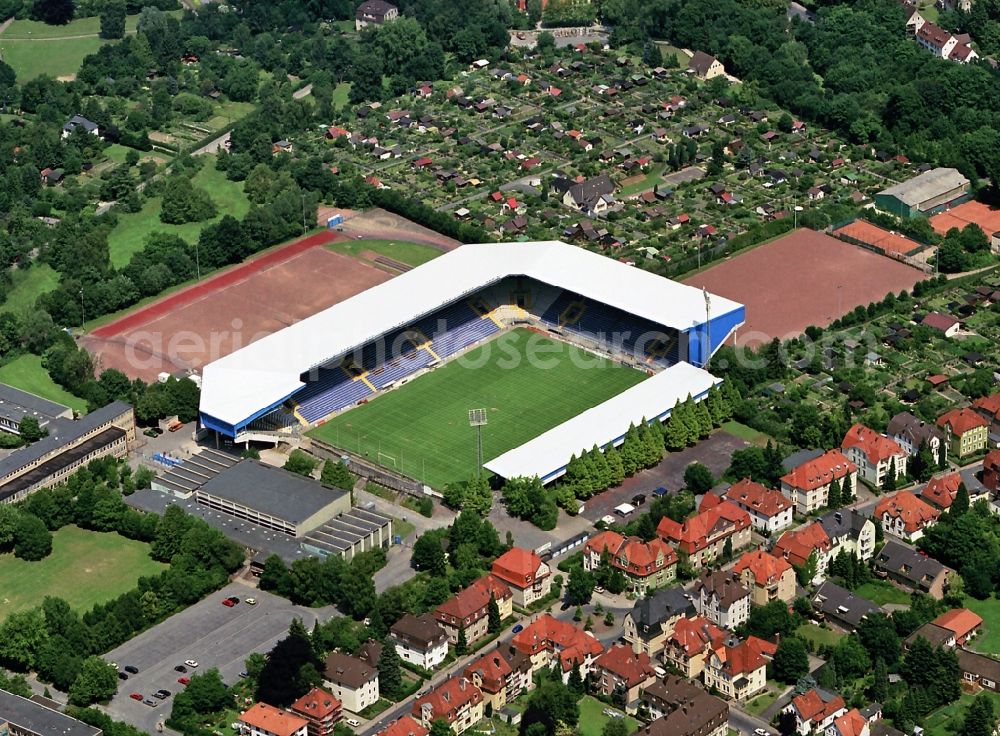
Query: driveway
(714, 452)
(209, 633)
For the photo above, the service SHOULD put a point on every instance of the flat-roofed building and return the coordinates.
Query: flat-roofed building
(16, 404)
(22, 717)
(924, 193)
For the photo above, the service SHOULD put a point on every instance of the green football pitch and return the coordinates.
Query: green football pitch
(527, 383)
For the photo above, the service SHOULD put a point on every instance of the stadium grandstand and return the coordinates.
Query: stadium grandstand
(382, 338)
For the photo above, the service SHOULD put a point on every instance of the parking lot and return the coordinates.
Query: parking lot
(207, 632)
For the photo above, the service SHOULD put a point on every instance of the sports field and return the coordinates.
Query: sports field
(84, 568)
(527, 383)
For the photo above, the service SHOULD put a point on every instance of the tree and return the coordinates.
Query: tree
(96, 682)
(615, 727)
(960, 504)
(113, 19)
(580, 586)
(770, 619)
(575, 681)
(281, 681)
(337, 475)
(698, 478)
(651, 54)
(879, 638)
(791, 660)
(979, 717)
(879, 691)
(493, 612)
(53, 12)
(850, 658)
(183, 202)
(428, 554)
(805, 573)
(390, 675)
(834, 499)
(299, 462)
(552, 705)
(546, 42)
(889, 483)
(22, 636)
(461, 644)
(30, 430)
(32, 540)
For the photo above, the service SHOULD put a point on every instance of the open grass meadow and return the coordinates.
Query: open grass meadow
(593, 717)
(34, 48)
(988, 642)
(26, 373)
(942, 721)
(84, 568)
(412, 254)
(422, 428)
(129, 235)
(27, 285)
(881, 592)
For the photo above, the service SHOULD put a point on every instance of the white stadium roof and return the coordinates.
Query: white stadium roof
(547, 454)
(266, 372)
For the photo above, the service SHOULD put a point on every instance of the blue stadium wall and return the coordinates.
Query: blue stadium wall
(718, 328)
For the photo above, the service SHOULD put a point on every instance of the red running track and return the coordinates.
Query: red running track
(215, 283)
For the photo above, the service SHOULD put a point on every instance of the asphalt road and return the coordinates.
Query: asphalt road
(207, 632)
(746, 723)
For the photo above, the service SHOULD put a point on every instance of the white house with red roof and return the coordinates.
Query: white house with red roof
(739, 671)
(647, 565)
(874, 454)
(547, 641)
(798, 545)
(703, 537)
(456, 700)
(905, 515)
(528, 578)
(266, 720)
(768, 577)
(851, 723)
(404, 726)
(621, 673)
(688, 646)
(962, 623)
(769, 510)
(815, 710)
(941, 490)
(808, 485)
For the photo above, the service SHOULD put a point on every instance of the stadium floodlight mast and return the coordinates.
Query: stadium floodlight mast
(477, 419)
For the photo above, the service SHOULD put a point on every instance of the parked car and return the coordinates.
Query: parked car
(235, 599)
(661, 491)
(135, 696)
(191, 663)
(353, 722)
(251, 601)
(151, 703)
(517, 628)
(228, 602)
(131, 670)
(122, 676)
(183, 680)
(761, 732)
(163, 693)
(180, 668)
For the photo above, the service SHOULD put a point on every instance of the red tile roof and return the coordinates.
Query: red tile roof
(876, 447)
(938, 321)
(937, 379)
(632, 554)
(941, 491)
(473, 599)
(764, 566)
(492, 669)
(317, 703)
(915, 514)
(746, 657)
(852, 723)
(988, 405)
(550, 634)
(812, 707)
(448, 698)
(628, 666)
(692, 536)
(960, 621)
(961, 421)
(764, 501)
(404, 726)
(796, 545)
(694, 635)
(820, 472)
(517, 566)
(273, 720)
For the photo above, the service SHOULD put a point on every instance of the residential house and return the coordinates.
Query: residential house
(420, 640)
(991, 471)
(282, 146)
(841, 606)
(967, 431)
(703, 537)
(353, 681)
(911, 432)
(374, 12)
(905, 516)
(768, 577)
(266, 720)
(548, 641)
(849, 531)
(646, 565)
(808, 484)
(739, 670)
(769, 510)
(81, 123)
(705, 66)
(690, 643)
(963, 624)
(852, 723)
(815, 710)
(456, 700)
(875, 455)
(989, 408)
(502, 675)
(682, 708)
(469, 608)
(979, 669)
(593, 197)
(943, 323)
(905, 566)
(621, 673)
(653, 617)
(941, 490)
(404, 726)
(528, 578)
(720, 597)
(320, 709)
(798, 546)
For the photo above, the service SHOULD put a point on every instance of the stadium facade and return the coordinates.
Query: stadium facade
(381, 338)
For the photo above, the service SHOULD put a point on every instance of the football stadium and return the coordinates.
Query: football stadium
(561, 348)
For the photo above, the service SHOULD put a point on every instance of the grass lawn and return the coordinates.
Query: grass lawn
(422, 428)
(31, 59)
(28, 285)
(129, 235)
(26, 373)
(84, 568)
(818, 634)
(648, 182)
(988, 642)
(936, 724)
(666, 49)
(33, 29)
(759, 704)
(401, 528)
(744, 432)
(592, 718)
(881, 592)
(340, 93)
(413, 254)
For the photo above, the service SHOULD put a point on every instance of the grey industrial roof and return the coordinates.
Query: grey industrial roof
(15, 403)
(272, 491)
(30, 716)
(60, 434)
(926, 186)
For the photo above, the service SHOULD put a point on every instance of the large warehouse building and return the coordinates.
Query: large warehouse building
(924, 194)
